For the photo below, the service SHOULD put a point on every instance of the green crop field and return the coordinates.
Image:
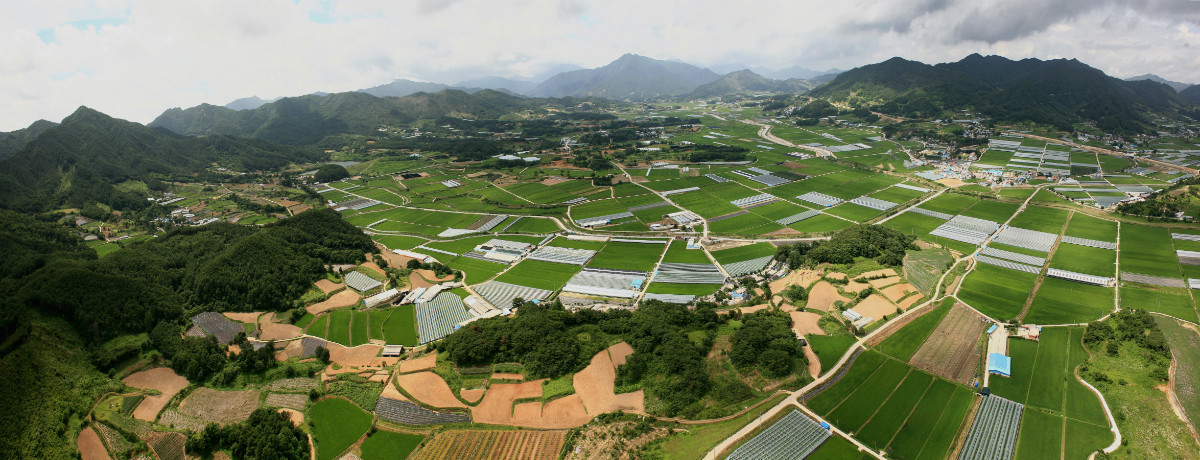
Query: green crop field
(477, 271)
(878, 432)
(853, 212)
(682, 288)
(896, 195)
(1082, 404)
(1185, 347)
(997, 292)
(531, 225)
(853, 412)
(863, 367)
(399, 242)
(339, 326)
(838, 448)
(386, 445)
(908, 339)
(360, 331)
(679, 253)
(913, 224)
(541, 275)
(949, 203)
(1085, 226)
(316, 328)
(1041, 435)
(991, 210)
(1084, 259)
(576, 244)
(745, 224)
(1170, 301)
(924, 268)
(822, 223)
(337, 423)
(378, 317)
(738, 254)
(829, 348)
(401, 326)
(628, 256)
(1148, 250)
(1067, 302)
(1049, 220)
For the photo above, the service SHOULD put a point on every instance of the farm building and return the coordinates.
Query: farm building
(360, 282)
(392, 351)
(999, 364)
(381, 298)
(504, 250)
(1029, 332)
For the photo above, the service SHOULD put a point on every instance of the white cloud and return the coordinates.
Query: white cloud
(135, 58)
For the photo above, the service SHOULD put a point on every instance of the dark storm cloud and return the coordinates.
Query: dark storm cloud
(898, 17)
(1011, 20)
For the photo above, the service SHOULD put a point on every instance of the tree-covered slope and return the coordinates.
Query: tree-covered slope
(630, 77)
(746, 81)
(12, 142)
(80, 160)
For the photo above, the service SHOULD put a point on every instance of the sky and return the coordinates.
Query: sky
(132, 59)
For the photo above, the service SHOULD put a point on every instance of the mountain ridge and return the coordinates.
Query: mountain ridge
(630, 77)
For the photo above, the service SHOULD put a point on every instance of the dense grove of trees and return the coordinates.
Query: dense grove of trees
(1137, 327)
(766, 340)
(885, 245)
(330, 173)
(267, 434)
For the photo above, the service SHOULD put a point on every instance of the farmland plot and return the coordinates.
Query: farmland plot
(997, 292)
(494, 444)
(953, 351)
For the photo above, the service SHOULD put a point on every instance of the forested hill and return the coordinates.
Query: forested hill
(306, 120)
(1191, 94)
(746, 81)
(80, 160)
(61, 307)
(630, 77)
(1058, 92)
(12, 142)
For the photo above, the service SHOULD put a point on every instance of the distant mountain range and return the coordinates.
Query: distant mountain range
(630, 77)
(1177, 86)
(1191, 94)
(746, 81)
(12, 142)
(1058, 92)
(248, 103)
(81, 159)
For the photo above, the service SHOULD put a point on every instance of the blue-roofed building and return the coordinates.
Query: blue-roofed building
(992, 329)
(999, 364)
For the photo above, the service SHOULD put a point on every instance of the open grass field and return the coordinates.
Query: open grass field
(923, 268)
(476, 271)
(908, 339)
(532, 225)
(628, 256)
(1084, 259)
(853, 212)
(1185, 350)
(949, 203)
(401, 326)
(339, 326)
(576, 244)
(1148, 250)
(679, 253)
(991, 210)
(399, 241)
(830, 348)
(538, 274)
(741, 253)
(337, 423)
(387, 445)
(913, 224)
(1085, 226)
(1067, 302)
(997, 292)
(896, 195)
(1169, 301)
(1049, 220)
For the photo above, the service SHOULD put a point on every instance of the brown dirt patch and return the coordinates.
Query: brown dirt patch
(429, 388)
(471, 396)
(390, 391)
(394, 260)
(836, 276)
(728, 244)
(432, 277)
(90, 446)
(806, 323)
(951, 182)
(823, 295)
(814, 362)
(910, 301)
(276, 331)
(360, 356)
(497, 403)
(880, 272)
(875, 306)
(221, 407)
(251, 317)
(896, 292)
(162, 379)
(953, 349)
(345, 298)
(554, 180)
(294, 415)
(595, 385)
(293, 349)
(804, 278)
(372, 266)
(417, 282)
(423, 363)
(746, 310)
(503, 376)
(925, 245)
(785, 231)
(855, 287)
(881, 283)
(791, 165)
(327, 286)
(619, 352)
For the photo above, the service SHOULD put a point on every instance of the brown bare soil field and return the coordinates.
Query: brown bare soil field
(393, 260)
(221, 407)
(90, 446)
(884, 282)
(503, 376)
(897, 292)
(619, 352)
(806, 323)
(951, 182)
(880, 272)
(423, 363)
(753, 309)
(804, 278)
(431, 276)
(564, 412)
(954, 348)
(875, 306)
(909, 302)
(823, 295)
(595, 385)
(372, 266)
(430, 389)
(527, 414)
(497, 404)
(784, 232)
(327, 286)
(836, 276)
(293, 349)
(360, 356)
(728, 244)
(493, 444)
(471, 396)
(276, 331)
(814, 362)
(342, 299)
(554, 180)
(251, 317)
(855, 287)
(295, 416)
(417, 282)
(162, 379)
(390, 391)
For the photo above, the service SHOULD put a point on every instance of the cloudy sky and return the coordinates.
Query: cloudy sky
(134, 58)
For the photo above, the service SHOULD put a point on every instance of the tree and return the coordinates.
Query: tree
(330, 173)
